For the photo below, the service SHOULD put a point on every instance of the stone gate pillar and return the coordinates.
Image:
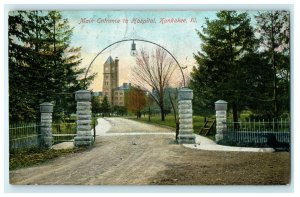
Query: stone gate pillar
(185, 111)
(84, 136)
(46, 138)
(221, 119)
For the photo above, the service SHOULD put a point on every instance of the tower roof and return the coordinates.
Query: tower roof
(109, 60)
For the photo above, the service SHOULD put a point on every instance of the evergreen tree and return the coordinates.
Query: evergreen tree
(28, 68)
(96, 105)
(42, 64)
(223, 69)
(105, 107)
(65, 61)
(274, 35)
(119, 110)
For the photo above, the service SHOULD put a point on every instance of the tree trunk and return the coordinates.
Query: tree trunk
(235, 116)
(275, 107)
(177, 130)
(138, 114)
(175, 117)
(162, 112)
(274, 75)
(149, 114)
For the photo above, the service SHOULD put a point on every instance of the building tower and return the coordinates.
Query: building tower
(110, 78)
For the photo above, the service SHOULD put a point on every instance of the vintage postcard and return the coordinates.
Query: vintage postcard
(149, 97)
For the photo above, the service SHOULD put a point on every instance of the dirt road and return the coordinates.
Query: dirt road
(154, 159)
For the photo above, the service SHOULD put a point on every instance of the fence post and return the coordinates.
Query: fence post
(84, 136)
(46, 110)
(221, 119)
(185, 110)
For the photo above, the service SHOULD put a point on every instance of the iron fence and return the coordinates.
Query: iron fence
(27, 135)
(24, 135)
(63, 132)
(258, 132)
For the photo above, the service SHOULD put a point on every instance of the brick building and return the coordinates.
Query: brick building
(110, 88)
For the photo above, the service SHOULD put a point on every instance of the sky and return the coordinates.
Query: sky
(95, 30)
(179, 38)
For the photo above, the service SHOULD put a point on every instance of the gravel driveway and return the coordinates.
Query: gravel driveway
(154, 159)
(117, 159)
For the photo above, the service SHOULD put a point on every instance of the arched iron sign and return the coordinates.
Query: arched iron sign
(141, 40)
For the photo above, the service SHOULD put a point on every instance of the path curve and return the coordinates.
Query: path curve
(120, 126)
(116, 158)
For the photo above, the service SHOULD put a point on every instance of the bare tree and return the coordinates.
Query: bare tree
(153, 72)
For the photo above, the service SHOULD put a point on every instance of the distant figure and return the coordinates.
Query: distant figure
(271, 140)
(273, 143)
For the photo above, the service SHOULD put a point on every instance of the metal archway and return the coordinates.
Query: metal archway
(141, 40)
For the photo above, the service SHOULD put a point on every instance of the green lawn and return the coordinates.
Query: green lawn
(198, 121)
(70, 126)
(169, 120)
(32, 156)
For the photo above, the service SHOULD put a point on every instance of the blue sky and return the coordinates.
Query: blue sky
(179, 38)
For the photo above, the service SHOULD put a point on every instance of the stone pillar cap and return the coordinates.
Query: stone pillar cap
(185, 94)
(47, 103)
(221, 102)
(220, 105)
(185, 89)
(83, 95)
(46, 107)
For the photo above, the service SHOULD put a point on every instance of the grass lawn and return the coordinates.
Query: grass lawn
(169, 120)
(33, 156)
(198, 121)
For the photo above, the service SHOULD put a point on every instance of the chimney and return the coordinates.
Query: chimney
(116, 60)
(117, 71)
